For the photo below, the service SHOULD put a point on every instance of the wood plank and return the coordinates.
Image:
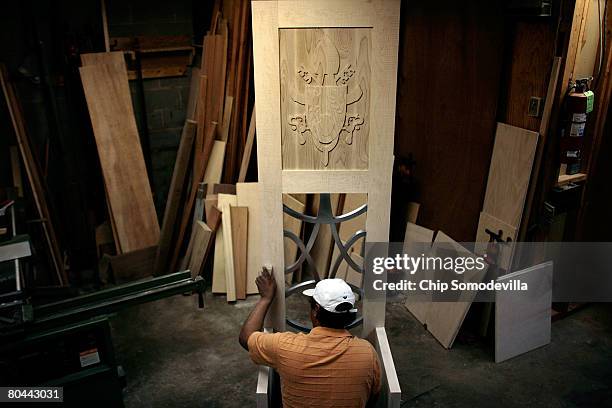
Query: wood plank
(32, 169)
(303, 142)
(189, 203)
(194, 89)
(209, 202)
(240, 220)
(202, 123)
(522, 318)
(225, 202)
(134, 265)
(175, 193)
(227, 117)
(414, 239)
(125, 175)
(97, 58)
(202, 236)
(224, 189)
(509, 173)
(215, 163)
(223, 279)
(295, 226)
(248, 148)
(16, 170)
(444, 319)
(249, 195)
(198, 215)
(348, 228)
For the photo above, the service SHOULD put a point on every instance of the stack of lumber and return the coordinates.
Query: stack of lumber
(130, 202)
(218, 106)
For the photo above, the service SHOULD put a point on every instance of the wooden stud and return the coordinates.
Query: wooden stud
(239, 227)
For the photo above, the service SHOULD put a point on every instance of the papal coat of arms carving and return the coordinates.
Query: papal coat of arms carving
(321, 113)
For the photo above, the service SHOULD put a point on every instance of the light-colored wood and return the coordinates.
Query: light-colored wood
(417, 238)
(110, 107)
(348, 228)
(522, 318)
(565, 179)
(16, 171)
(325, 181)
(417, 234)
(350, 275)
(201, 237)
(325, 97)
(248, 148)
(175, 193)
(97, 58)
(225, 201)
(578, 21)
(393, 393)
(293, 225)
(240, 222)
(509, 173)
(382, 20)
(249, 195)
(215, 163)
(444, 319)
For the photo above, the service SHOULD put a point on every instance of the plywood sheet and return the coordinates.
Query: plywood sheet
(444, 319)
(325, 97)
(522, 318)
(415, 236)
(249, 195)
(509, 173)
(240, 219)
(127, 184)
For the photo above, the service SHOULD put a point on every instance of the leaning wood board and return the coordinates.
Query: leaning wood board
(220, 276)
(522, 319)
(508, 234)
(201, 237)
(214, 168)
(509, 173)
(226, 201)
(240, 220)
(127, 184)
(415, 238)
(249, 195)
(444, 319)
(174, 197)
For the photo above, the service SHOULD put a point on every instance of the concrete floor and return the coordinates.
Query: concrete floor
(176, 355)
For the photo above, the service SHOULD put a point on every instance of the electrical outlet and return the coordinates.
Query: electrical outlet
(535, 107)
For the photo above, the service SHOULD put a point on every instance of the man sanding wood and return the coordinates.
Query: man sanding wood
(329, 367)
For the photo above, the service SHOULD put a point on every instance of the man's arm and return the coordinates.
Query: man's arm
(267, 289)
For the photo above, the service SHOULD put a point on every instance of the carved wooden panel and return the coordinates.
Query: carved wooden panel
(325, 97)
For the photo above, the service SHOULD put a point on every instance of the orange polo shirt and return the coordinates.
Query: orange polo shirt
(325, 368)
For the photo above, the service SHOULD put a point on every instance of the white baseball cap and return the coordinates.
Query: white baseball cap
(329, 293)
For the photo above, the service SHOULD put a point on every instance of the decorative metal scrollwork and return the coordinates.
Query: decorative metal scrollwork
(324, 217)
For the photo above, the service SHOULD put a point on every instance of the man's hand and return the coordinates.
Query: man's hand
(266, 284)
(267, 289)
